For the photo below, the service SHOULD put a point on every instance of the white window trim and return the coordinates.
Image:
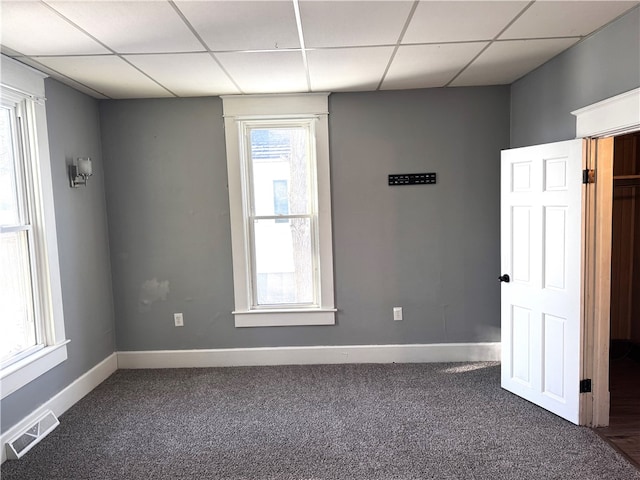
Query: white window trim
(271, 107)
(20, 82)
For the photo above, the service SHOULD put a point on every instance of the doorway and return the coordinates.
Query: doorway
(623, 431)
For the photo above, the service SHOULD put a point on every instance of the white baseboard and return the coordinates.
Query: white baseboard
(236, 357)
(66, 398)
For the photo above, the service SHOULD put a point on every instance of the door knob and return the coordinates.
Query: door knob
(504, 278)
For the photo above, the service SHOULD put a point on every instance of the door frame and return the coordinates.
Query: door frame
(598, 124)
(596, 280)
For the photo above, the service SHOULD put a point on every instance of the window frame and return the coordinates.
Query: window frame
(245, 128)
(276, 110)
(22, 171)
(23, 88)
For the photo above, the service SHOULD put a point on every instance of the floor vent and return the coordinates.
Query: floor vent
(28, 438)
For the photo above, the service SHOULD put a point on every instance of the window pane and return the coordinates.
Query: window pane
(281, 199)
(16, 303)
(284, 262)
(9, 214)
(280, 156)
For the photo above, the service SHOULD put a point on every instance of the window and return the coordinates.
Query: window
(278, 166)
(32, 339)
(17, 287)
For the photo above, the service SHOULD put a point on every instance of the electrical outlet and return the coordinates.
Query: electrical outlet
(178, 319)
(397, 313)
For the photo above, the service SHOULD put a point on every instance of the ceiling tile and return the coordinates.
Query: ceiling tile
(504, 62)
(425, 66)
(344, 69)
(186, 74)
(266, 72)
(132, 27)
(33, 29)
(435, 22)
(565, 18)
(348, 23)
(244, 25)
(107, 74)
(66, 80)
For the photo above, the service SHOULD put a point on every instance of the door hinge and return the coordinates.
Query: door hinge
(585, 385)
(588, 176)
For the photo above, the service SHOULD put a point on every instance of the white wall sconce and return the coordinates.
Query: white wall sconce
(80, 171)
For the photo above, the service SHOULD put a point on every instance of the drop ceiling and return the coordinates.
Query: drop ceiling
(156, 48)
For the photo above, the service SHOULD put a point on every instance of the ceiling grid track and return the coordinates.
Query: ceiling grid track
(493, 40)
(303, 50)
(204, 44)
(397, 45)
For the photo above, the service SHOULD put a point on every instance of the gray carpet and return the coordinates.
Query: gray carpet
(421, 421)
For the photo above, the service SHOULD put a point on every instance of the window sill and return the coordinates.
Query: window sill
(18, 374)
(285, 318)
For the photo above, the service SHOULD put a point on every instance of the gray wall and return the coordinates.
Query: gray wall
(74, 130)
(432, 249)
(603, 65)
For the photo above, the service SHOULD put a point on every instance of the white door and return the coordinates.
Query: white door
(541, 203)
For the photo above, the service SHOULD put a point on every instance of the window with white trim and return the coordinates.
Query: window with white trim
(278, 167)
(18, 287)
(32, 340)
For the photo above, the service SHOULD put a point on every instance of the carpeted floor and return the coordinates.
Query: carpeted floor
(410, 421)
